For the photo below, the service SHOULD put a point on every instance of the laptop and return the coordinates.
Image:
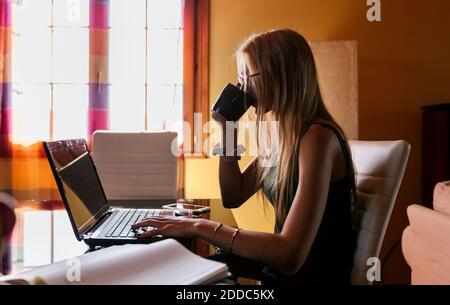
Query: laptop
(93, 219)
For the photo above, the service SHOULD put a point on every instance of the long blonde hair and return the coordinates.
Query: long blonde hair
(285, 82)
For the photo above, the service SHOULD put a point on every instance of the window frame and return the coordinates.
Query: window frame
(196, 68)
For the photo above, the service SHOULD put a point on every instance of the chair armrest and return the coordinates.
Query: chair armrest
(426, 245)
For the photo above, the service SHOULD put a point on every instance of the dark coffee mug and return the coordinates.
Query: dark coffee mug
(232, 103)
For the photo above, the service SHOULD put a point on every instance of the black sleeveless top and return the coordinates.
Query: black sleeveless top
(330, 258)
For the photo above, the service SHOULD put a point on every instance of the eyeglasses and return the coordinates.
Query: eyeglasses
(243, 85)
(243, 79)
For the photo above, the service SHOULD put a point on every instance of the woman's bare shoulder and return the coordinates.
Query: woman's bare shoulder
(318, 137)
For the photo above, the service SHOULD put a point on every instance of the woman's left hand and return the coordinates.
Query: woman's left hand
(181, 227)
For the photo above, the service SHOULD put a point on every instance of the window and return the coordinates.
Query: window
(146, 64)
(51, 74)
(82, 65)
(50, 69)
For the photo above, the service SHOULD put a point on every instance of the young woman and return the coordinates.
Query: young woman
(311, 184)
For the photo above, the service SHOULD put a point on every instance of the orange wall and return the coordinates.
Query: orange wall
(404, 61)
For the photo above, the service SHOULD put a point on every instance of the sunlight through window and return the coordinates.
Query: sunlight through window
(50, 69)
(146, 44)
(31, 113)
(71, 55)
(51, 42)
(70, 109)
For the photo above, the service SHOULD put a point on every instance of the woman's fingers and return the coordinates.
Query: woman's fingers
(160, 218)
(153, 221)
(149, 222)
(152, 232)
(217, 117)
(145, 223)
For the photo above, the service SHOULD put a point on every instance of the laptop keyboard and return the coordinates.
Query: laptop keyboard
(120, 226)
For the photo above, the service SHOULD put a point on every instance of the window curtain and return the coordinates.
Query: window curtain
(24, 170)
(99, 86)
(5, 79)
(5, 125)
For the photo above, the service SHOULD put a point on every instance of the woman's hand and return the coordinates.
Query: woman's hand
(219, 119)
(181, 227)
(229, 131)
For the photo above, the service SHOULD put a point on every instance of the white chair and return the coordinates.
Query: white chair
(136, 166)
(379, 167)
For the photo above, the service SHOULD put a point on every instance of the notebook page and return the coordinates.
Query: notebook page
(163, 262)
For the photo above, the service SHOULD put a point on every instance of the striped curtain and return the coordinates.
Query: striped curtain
(5, 124)
(24, 171)
(5, 79)
(98, 66)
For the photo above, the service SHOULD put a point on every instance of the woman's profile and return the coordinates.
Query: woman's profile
(310, 180)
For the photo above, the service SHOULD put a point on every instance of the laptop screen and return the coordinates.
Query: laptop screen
(78, 182)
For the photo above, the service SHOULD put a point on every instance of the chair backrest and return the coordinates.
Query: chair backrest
(426, 241)
(136, 166)
(379, 168)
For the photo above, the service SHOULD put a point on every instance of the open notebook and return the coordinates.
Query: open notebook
(166, 262)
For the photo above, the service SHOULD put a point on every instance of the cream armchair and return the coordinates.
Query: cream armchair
(379, 167)
(426, 241)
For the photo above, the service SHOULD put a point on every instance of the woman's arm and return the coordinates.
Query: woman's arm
(236, 187)
(287, 251)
